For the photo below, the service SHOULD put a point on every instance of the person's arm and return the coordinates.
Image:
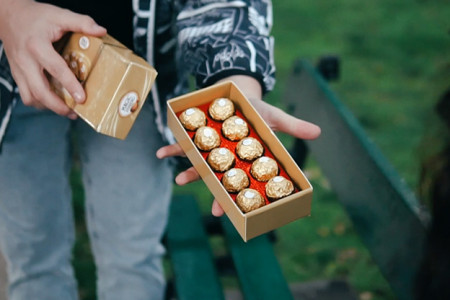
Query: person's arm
(231, 41)
(28, 30)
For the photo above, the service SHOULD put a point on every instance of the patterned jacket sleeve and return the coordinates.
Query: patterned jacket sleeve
(221, 38)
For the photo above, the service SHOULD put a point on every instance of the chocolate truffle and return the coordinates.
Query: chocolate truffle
(279, 187)
(234, 128)
(249, 149)
(221, 159)
(235, 180)
(193, 118)
(264, 168)
(206, 138)
(79, 64)
(221, 109)
(249, 199)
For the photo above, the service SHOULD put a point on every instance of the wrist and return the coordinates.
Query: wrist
(249, 86)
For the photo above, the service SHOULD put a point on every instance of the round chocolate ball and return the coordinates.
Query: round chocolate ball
(264, 168)
(221, 109)
(235, 128)
(279, 187)
(249, 199)
(206, 138)
(220, 159)
(193, 118)
(249, 149)
(235, 180)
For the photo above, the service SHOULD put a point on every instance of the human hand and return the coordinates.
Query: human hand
(277, 119)
(28, 30)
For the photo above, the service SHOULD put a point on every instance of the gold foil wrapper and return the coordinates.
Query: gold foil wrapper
(79, 63)
(206, 138)
(235, 180)
(279, 187)
(264, 168)
(235, 128)
(221, 159)
(193, 118)
(249, 149)
(249, 199)
(221, 109)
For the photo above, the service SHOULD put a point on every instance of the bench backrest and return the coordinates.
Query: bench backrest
(383, 209)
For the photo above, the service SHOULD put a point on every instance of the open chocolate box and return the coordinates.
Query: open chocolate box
(273, 214)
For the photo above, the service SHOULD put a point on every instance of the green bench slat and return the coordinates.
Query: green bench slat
(258, 270)
(194, 271)
(384, 211)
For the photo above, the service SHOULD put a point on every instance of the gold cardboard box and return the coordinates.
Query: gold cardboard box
(116, 82)
(265, 218)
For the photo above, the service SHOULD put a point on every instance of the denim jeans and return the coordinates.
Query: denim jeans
(127, 191)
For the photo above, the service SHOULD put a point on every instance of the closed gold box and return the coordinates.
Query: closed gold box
(116, 81)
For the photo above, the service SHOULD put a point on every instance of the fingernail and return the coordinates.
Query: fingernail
(100, 27)
(78, 97)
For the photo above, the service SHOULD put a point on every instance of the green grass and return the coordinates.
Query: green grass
(394, 65)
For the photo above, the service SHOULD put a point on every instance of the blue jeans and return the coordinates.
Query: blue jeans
(127, 191)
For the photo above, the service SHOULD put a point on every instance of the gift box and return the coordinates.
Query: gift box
(116, 82)
(274, 213)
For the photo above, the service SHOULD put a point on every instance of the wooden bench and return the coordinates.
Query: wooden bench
(195, 273)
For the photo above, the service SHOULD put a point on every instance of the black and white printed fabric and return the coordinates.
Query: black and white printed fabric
(207, 39)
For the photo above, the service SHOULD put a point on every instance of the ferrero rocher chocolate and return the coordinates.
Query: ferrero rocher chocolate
(249, 149)
(206, 138)
(264, 168)
(235, 128)
(193, 118)
(220, 159)
(235, 180)
(279, 187)
(221, 109)
(249, 199)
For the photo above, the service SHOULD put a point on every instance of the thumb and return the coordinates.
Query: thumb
(284, 122)
(75, 22)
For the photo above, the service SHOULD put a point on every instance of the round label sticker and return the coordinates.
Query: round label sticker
(249, 194)
(247, 142)
(239, 121)
(208, 132)
(278, 179)
(128, 104)
(231, 173)
(190, 111)
(222, 102)
(83, 42)
(264, 159)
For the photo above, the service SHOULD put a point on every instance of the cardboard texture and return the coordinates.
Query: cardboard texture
(270, 216)
(116, 82)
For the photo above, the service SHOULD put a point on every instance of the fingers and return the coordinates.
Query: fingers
(279, 120)
(55, 65)
(169, 151)
(293, 126)
(190, 175)
(35, 90)
(216, 209)
(80, 23)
